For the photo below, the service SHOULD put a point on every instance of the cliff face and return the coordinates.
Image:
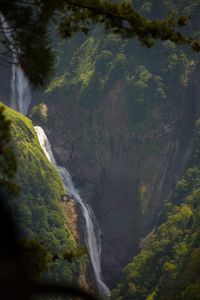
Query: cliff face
(121, 118)
(166, 266)
(5, 72)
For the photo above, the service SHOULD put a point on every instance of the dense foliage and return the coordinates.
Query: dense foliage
(30, 26)
(153, 80)
(37, 209)
(167, 266)
(8, 163)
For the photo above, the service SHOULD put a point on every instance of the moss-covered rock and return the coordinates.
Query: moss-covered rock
(39, 113)
(38, 210)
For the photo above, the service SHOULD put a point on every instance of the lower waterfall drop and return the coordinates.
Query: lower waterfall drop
(92, 241)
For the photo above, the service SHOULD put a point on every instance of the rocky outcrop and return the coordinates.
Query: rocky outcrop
(71, 216)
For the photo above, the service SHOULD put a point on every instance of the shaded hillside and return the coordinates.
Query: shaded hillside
(167, 266)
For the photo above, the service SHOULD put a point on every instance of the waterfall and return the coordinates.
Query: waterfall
(92, 239)
(20, 90)
(20, 101)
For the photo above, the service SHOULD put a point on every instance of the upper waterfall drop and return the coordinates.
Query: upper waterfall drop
(92, 237)
(20, 89)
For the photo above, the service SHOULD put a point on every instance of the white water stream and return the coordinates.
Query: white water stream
(20, 90)
(92, 239)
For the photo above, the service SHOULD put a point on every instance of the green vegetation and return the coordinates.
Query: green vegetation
(39, 113)
(57, 82)
(36, 258)
(31, 24)
(152, 83)
(167, 266)
(85, 61)
(8, 163)
(148, 85)
(37, 210)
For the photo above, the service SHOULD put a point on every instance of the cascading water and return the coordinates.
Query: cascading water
(20, 90)
(20, 101)
(92, 239)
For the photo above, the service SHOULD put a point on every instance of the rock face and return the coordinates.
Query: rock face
(5, 73)
(127, 143)
(71, 215)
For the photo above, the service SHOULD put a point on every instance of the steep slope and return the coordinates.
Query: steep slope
(38, 209)
(167, 266)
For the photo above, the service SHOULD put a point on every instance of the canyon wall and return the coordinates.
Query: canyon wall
(121, 118)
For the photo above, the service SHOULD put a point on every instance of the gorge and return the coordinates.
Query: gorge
(123, 122)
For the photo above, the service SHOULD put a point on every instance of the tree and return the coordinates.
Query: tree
(30, 23)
